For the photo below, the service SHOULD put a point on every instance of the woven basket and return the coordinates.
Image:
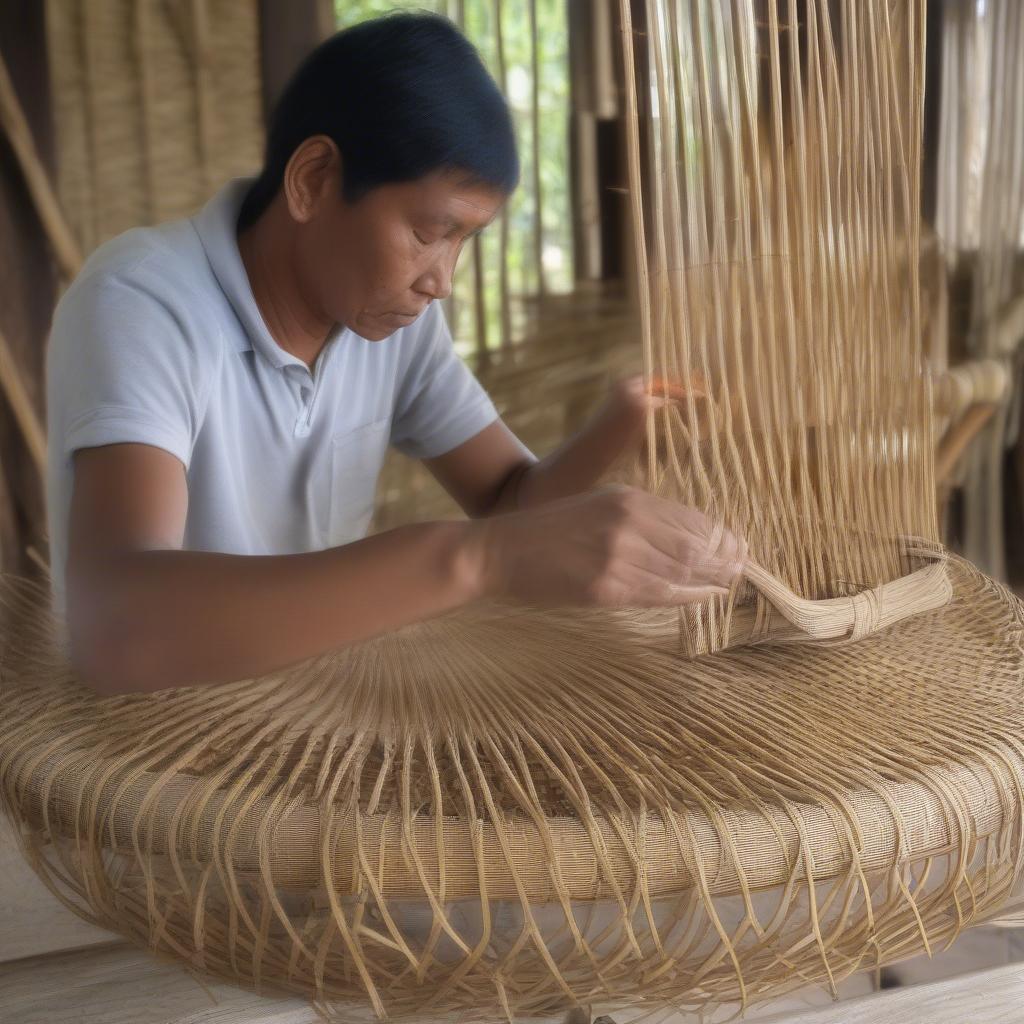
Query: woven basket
(615, 822)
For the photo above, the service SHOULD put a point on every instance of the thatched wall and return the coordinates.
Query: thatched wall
(155, 105)
(135, 111)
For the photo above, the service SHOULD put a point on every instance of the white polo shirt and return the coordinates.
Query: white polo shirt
(159, 340)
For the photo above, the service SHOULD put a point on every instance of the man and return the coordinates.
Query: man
(222, 391)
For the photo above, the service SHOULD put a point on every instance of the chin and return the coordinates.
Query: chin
(369, 331)
(379, 333)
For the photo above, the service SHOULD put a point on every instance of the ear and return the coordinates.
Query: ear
(313, 172)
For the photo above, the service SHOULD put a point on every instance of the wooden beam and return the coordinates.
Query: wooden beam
(288, 32)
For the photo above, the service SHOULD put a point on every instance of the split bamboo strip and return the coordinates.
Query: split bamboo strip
(24, 411)
(770, 267)
(37, 181)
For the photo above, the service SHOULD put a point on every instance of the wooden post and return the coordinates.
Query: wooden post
(288, 31)
(37, 181)
(28, 285)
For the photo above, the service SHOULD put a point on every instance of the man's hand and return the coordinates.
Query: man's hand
(617, 546)
(617, 428)
(640, 396)
(493, 472)
(145, 615)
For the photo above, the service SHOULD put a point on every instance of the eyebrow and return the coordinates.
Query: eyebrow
(453, 222)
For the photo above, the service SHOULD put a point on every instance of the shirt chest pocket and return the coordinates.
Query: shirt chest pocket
(355, 461)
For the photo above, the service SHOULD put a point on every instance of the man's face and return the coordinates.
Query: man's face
(377, 263)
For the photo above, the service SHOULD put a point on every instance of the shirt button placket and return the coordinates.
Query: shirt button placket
(304, 393)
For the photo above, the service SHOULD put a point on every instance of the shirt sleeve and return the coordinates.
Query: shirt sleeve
(122, 367)
(440, 404)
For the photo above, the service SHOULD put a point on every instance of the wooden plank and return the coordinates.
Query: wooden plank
(119, 984)
(994, 996)
(32, 919)
(122, 985)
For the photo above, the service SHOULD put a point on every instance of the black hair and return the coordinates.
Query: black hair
(400, 96)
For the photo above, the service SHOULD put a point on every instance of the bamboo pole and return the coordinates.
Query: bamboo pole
(958, 438)
(456, 10)
(538, 198)
(140, 36)
(479, 297)
(506, 313)
(21, 406)
(200, 38)
(639, 235)
(37, 181)
(92, 113)
(62, 243)
(483, 354)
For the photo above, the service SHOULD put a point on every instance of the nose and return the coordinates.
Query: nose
(437, 280)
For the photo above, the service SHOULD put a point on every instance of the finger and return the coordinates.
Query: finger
(687, 535)
(692, 526)
(679, 563)
(732, 548)
(644, 585)
(676, 595)
(675, 388)
(681, 555)
(677, 515)
(658, 594)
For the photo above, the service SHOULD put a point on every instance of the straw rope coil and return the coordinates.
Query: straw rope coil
(505, 811)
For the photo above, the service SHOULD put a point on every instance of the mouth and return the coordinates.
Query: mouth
(405, 317)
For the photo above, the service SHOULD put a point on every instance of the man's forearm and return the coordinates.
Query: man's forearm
(580, 462)
(152, 619)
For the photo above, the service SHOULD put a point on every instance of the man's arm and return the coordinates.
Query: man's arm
(144, 615)
(490, 472)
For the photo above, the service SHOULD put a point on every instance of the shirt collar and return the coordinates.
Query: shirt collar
(216, 225)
